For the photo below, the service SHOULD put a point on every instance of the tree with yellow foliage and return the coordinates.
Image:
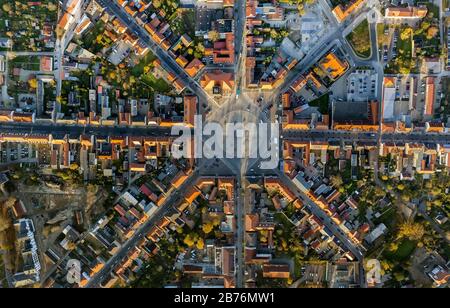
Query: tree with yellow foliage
(405, 34)
(32, 83)
(52, 7)
(189, 241)
(432, 32)
(200, 244)
(213, 35)
(216, 222)
(411, 230)
(7, 7)
(207, 227)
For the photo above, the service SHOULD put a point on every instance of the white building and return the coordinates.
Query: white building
(388, 101)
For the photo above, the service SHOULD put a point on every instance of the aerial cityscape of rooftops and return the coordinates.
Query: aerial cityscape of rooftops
(348, 186)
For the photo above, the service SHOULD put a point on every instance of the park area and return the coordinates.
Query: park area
(96, 40)
(403, 63)
(445, 102)
(138, 79)
(30, 25)
(425, 39)
(404, 250)
(28, 63)
(322, 103)
(359, 39)
(143, 72)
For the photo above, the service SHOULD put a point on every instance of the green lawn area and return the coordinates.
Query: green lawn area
(339, 2)
(94, 40)
(405, 249)
(403, 62)
(184, 23)
(159, 85)
(406, 46)
(30, 63)
(49, 93)
(158, 270)
(282, 219)
(446, 250)
(380, 34)
(321, 102)
(431, 45)
(138, 69)
(387, 218)
(359, 39)
(432, 8)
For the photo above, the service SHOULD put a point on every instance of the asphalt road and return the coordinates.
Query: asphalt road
(157, 131)
(350, 136)
(47, 129)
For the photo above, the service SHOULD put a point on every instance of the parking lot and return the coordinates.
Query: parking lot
(362, 85)
(313, 274)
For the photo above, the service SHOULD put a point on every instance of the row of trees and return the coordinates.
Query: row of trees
(7, 233)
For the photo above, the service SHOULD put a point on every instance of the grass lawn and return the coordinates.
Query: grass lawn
(138, 69)
(184, 23)
(282, 219)
(380, 34)
(49, 93)
(403, 62)
(406, 46)
(404, 251)
(30, 63)
(89, 41)
(446, 250)
(432, 8)
(321, 102)
(387, 217)
(339, 2)
(359, 39)
(159, 85)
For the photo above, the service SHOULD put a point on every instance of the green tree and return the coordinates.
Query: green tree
(399, 276)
